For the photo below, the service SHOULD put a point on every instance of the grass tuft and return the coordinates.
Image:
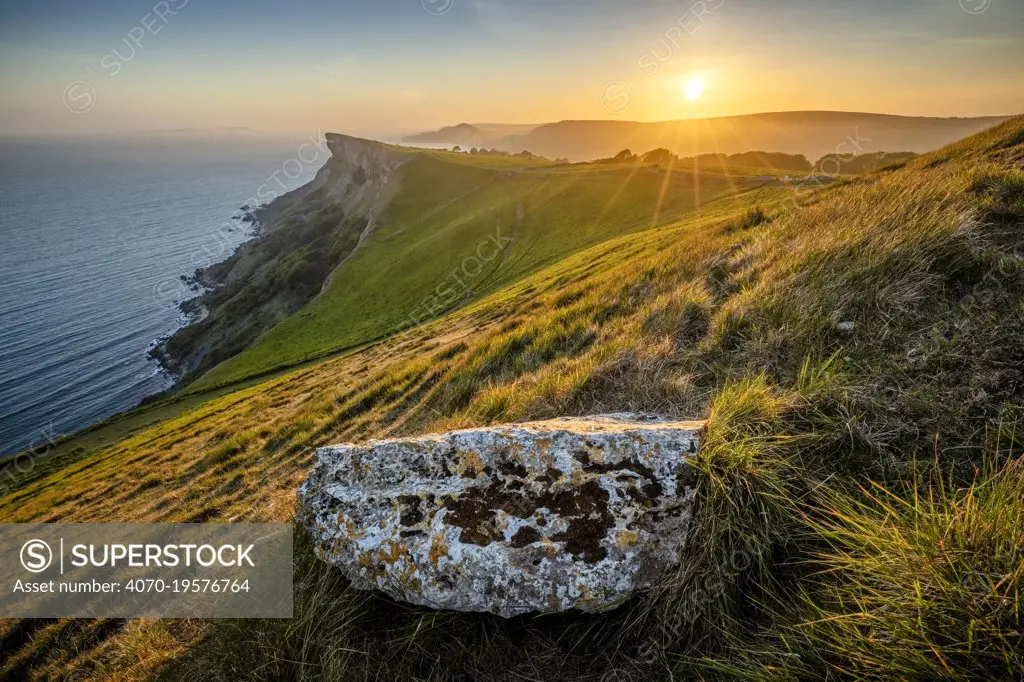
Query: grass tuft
(909, 582)
(745, 492)
(933, 577)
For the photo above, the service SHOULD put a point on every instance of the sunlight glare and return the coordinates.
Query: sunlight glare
(694, 88)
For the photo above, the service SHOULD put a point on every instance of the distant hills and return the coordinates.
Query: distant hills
(812, 133)
(473, 134)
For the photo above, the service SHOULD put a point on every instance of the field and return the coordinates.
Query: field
(855, 348)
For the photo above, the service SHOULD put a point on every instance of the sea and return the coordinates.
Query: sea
(96, 236)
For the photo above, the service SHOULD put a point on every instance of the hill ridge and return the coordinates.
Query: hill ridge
(813, 133)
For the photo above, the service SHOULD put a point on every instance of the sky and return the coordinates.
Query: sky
(389, 67)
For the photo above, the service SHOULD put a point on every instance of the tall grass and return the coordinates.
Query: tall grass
(926, 585)
(916, 582)
(745, 496)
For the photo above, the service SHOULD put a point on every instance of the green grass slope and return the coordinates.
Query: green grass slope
(460, 227)
(856, 351)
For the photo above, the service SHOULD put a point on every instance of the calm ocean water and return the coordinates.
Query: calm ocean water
(93, 239)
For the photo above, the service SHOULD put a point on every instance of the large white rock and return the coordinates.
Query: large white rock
(572, 513)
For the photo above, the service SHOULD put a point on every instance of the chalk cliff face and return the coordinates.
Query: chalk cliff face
(353, 177)
(303, 236)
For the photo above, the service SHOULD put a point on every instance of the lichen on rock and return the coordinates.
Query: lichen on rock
(571, 513)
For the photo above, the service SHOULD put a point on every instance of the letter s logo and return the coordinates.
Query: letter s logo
(79, 97)
(36, 556)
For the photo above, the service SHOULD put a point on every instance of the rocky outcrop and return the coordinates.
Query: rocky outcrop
(357, 177)
(573, 513)
(303, 237)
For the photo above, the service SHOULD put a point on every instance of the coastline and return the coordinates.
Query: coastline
(192, 310)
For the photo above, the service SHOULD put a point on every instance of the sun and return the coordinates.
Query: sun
(694, 88)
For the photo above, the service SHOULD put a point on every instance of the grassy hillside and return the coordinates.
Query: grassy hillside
(856, 350)
(462, 226)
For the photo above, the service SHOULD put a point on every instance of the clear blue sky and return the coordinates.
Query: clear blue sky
(386, 66)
